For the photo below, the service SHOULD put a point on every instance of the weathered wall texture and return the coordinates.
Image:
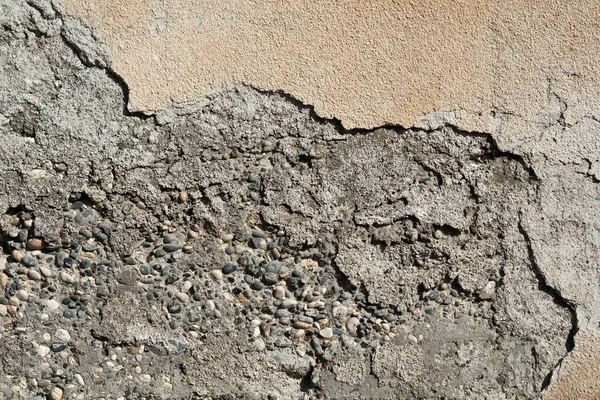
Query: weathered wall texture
(243, 245)
(526, 72)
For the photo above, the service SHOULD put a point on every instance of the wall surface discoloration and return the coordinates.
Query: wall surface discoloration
(365, 63)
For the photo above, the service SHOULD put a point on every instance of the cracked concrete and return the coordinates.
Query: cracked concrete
(499, 215)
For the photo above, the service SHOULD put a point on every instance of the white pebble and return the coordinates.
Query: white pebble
(145, 378)
(22, 295)
(288, 303)
(259, 344)
(52, 305)
(34, 275)
(66, 278)
(79, 379)
(186, 286)
(326, 333)
(3, 310)
(182, 297)
(279, 292)
(352, 324)
(46, 272)
(299, 334)
(62, 335)
(216, 275)
(227, 237)
(43, 350)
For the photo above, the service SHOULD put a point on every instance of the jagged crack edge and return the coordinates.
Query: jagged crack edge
(556, 296)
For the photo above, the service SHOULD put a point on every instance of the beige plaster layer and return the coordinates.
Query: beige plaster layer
(580, 376)
(367, 63)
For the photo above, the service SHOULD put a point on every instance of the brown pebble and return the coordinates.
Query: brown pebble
(302, 325)
(131, 350)
(275, 253)
(183, 197)
(55, 393)
(3, 280)
(17, 255)
(35, 244)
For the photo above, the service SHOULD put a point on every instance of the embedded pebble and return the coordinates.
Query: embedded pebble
(34, 275)
(66, 278)
(216, 275)
(22, 295)
(326, 333)
(183, 297)
(55, 393)
(62, 335)
(35, 244)
(352, 324)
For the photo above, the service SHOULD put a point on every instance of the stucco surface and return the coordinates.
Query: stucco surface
(365, 63)
(580, 374)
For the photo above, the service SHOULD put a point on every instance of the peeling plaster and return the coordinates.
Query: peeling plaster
(494, 65)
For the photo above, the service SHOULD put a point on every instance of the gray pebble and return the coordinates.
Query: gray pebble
(29, 261)
(434, 294)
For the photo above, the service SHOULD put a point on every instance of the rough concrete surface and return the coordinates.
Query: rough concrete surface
(241, 245)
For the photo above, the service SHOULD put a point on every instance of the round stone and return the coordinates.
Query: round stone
(273, 267)
(279, 292)
(216, 275)
(183, 197)
(55, 393)
(326, 333)
(63, 335)
(182, 297)
(34, 275)
(57, 347)
(352, 324)
(28, 261)
(434, 294)
(22, 295)
(229, 268)
(46, 272)
(35, 244)
(174, 308)
(228, 237)
(66, 278)
(145, 269)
